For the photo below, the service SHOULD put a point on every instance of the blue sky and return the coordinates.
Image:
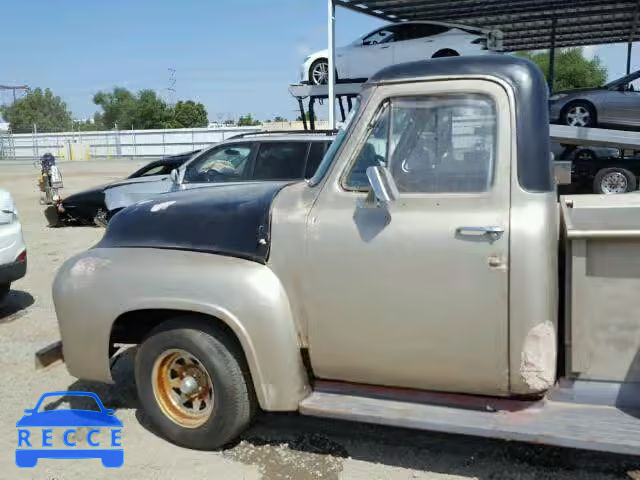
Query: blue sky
(236, 56)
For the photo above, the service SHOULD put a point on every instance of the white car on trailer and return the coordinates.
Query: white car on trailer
(399, 43)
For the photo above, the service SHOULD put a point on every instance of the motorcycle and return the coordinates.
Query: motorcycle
(49, 180)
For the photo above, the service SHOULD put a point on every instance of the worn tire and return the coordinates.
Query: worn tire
(53, 217)
(234, 400)
(4, 291)
(599, 187)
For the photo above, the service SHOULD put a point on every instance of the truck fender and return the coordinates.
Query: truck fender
(246, 296)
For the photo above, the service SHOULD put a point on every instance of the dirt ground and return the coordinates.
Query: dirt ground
(276, 447)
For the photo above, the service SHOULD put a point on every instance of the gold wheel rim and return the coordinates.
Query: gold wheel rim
(183, 388)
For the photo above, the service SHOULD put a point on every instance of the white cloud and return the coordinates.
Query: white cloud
(303, 49)
(590, 51)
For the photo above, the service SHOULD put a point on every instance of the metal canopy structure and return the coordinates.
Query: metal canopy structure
(526, 24)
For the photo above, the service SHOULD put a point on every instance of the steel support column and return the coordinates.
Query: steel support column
(331, 27)
(302, 114)
(632, 34)
(552, 56)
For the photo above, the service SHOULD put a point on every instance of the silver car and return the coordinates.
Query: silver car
(262, 156)
(615, 104)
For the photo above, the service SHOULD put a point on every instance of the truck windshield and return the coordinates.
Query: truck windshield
(327, 160)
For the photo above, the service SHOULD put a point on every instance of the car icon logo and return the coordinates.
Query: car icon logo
(35, 433)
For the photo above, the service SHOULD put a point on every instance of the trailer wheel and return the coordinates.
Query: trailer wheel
(193, 383)
(614, 180)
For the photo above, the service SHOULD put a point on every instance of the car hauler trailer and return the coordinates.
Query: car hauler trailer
(346, 93)
(425, 277)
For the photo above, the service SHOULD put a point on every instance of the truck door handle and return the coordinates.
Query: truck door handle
(494, 232)
(384, 46)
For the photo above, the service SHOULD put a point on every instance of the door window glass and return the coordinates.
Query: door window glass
(373, 153)
(222, 164)
(157, 170)
(280, 160)
(423, 30)
(316, 152)
(634, 86)
(384, 35)
(436, 144)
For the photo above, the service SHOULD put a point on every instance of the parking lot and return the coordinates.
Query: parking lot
(277, 447)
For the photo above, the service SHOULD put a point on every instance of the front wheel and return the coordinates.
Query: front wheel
(193, 383)
(614, 180)
(101, 218)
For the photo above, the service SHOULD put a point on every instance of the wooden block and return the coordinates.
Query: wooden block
(49, 355)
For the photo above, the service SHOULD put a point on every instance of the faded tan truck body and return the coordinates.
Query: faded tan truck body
(434, 291)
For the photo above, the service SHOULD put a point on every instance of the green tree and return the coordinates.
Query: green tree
(307, 116)
(280, 119)
(247, 121)
(126, 110)
(118, 107)
(572, 68)
(40, 107)
(189, 114)
(151, 112)
(85, 126)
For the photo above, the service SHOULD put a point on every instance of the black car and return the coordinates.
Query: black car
(88, 208)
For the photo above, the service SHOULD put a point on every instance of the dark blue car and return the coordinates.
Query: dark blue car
(35, 422)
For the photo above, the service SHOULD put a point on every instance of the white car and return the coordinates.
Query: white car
(399, 43)
(13, 252)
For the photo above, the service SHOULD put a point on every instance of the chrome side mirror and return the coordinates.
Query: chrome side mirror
(383, 186)
(174, 176)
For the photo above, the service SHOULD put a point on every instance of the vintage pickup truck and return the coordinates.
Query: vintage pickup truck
(413, 281)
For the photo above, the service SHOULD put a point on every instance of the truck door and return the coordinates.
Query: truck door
(415, 294)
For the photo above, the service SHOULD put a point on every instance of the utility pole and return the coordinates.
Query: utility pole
(14, 89)
(171, 89)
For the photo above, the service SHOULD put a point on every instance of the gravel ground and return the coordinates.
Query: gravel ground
(276, 447)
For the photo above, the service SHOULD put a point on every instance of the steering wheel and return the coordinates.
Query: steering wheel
(212, 176)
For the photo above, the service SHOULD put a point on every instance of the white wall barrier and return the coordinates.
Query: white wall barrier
(119, 143)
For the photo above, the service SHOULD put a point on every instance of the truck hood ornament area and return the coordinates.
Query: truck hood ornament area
(231, 220)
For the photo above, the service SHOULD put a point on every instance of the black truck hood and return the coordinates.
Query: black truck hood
(231, 220)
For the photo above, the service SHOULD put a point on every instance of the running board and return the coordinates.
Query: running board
(589, 427)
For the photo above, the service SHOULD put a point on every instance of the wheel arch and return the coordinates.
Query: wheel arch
(445, 52)
(101, 290)
(274, 389)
